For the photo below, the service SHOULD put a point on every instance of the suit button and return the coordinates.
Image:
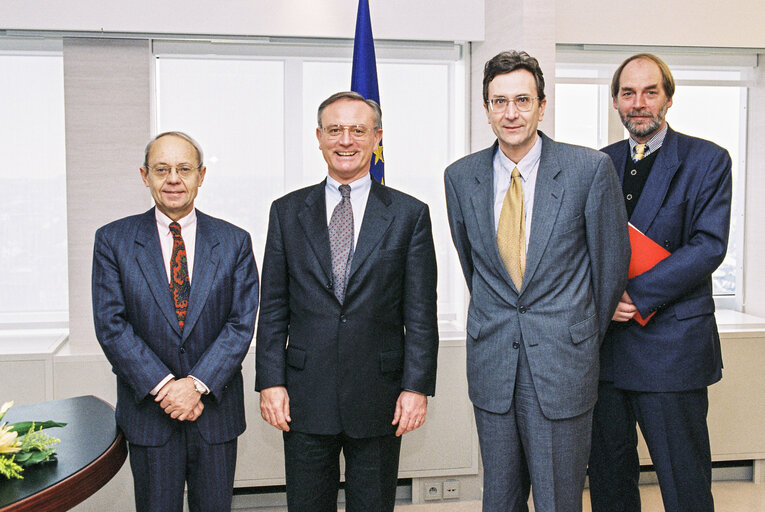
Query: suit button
(521, 309)
(183, 350)
(667, 244)
(329, 285)
(516, 345)
(343, 319)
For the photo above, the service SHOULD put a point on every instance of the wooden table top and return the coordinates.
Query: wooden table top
(91, 451)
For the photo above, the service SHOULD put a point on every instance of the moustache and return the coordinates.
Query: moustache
(640, 113)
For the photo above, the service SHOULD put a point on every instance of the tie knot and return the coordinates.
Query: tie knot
(516, 173)
(345, 190)
(639, 151)
(175, 229)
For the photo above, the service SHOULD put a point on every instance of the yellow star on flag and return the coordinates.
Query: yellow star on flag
(379, 154)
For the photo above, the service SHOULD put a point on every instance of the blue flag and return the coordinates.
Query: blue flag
(364, 76)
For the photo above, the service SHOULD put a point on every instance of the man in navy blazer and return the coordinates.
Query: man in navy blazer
(677, 193)
(176, 332)
(346, 353)
(532, 346)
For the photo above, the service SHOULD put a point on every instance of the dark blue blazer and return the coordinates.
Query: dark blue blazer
(346, 364)
(137, 327)
(684, 207)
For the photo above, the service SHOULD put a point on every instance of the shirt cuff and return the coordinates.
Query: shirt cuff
(207, 390)
(164, 381)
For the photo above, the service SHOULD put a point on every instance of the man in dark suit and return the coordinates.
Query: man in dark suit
(541, 234)
(176, 348)
(678, 191)
(347, 336)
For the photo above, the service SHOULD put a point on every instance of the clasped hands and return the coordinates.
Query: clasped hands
(180, 399)
(410, 412)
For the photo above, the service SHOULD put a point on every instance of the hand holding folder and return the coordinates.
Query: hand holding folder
(645, 254)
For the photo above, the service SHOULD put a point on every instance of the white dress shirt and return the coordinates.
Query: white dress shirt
(503, 169)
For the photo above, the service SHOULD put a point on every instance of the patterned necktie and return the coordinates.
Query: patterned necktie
(511, 232)
(180, 286)
(341, 241)
(639, 152)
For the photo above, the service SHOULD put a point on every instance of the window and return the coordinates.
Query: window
(709, 102)
(253, 110)
(33, 255)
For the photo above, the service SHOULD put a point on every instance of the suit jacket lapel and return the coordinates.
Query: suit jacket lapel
(655, 190)
(548, 195)
(375, 223)
(149, 258)
(482, 200)
(313, 219)
(206, 259)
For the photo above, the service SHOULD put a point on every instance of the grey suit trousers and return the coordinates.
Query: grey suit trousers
(523, 448)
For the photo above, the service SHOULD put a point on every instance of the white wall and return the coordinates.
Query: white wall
(527, 25)
(107, 91)
(734, 23)
(435, 20)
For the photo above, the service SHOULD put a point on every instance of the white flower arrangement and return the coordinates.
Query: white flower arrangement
(23, 444)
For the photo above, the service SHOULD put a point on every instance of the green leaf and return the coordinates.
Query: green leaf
(35, 458)
(23, 427)
(22, 457)
(26, 459)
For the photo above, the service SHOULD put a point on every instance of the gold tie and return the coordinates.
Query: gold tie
(639, 152)
(511, 232)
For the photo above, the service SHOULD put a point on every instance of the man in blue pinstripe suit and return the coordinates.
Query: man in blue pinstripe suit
(175, 293)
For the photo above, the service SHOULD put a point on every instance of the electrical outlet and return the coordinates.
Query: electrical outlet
(433, 491)
(451, 489)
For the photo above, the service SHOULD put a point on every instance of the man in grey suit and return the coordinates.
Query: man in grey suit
(541, 233)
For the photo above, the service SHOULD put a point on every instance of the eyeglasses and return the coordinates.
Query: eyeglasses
(522, 103)
(183, 170)
(335, 131)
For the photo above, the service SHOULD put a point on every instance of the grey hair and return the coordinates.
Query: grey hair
(350, 95)
(184, 136)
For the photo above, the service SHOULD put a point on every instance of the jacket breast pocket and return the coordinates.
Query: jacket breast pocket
(396, 253)
(672, 210)
(566, 226)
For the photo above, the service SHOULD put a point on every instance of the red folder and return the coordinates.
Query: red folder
(645, 254)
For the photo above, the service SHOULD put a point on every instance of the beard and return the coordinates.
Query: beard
(643, 130)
